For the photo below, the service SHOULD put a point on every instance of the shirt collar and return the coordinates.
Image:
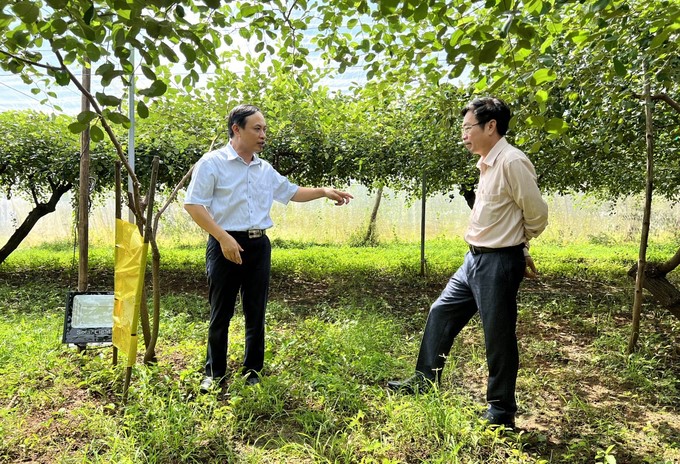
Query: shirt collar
(490, 158)
(232, 155)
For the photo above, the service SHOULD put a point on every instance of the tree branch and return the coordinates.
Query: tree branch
(663, 97)
(671, 264)
(32, 63)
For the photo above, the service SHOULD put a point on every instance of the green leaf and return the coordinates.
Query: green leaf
(107, 100)
(489, 51)
(599, 6)
(148, 73)
(93, 52)
(619, 68)
(188, 51)
(117, 118)
(169, 53)
(96, 134)
(62, 78)
(59, 26)
(535, 120)
(89, 14)
(28, 12)
(248, 10)
(556, 126)
(86, 117)
(543, 75)
(77, 127)
(541, 97)
(156, 89)
(420, 12)
(142, 109)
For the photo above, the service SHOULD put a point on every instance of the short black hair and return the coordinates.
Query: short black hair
(239, 115)
(487, 108)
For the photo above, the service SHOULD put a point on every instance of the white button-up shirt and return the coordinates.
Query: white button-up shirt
(238, 196)
(508, 209)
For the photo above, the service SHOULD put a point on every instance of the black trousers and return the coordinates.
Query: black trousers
(225, 281)
(487, 283)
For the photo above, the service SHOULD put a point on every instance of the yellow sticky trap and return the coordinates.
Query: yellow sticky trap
(128, 283)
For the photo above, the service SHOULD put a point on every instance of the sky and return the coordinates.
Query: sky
(16, 95)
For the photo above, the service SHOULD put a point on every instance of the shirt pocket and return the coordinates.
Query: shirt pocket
(263, 196)
(487, 209)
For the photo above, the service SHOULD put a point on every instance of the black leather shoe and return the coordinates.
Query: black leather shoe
(412, 385)
(502, 420)
(252, 378)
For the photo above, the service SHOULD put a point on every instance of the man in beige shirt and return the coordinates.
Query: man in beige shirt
(508, 212)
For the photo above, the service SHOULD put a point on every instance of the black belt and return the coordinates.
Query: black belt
(250, 233)
(475, 250)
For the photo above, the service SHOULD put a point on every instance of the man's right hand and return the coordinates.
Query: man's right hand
(230, 248)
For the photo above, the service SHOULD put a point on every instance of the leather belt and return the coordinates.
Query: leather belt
(475, 250)
(250, 233)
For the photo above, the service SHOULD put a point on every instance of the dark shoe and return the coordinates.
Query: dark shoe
(412, 385)
(210, 383)
(252, 378)
(503, 420)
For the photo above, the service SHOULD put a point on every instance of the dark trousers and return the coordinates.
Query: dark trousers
(225, 280)
(487, 283)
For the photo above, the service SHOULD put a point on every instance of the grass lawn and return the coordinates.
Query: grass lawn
(341, 322)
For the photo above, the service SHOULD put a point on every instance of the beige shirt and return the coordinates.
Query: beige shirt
(508, 209)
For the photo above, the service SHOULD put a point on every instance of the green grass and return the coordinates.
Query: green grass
(342, 321)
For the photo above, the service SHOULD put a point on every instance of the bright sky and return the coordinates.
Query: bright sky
(16, 95)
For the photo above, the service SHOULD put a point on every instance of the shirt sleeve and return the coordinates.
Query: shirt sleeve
(283, 189)
(524, 190)
(202, 185)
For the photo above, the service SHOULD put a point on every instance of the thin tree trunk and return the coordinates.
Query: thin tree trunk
(84, 193)
(150, 237)
(370, 236)
(644, 236)
(423, 204)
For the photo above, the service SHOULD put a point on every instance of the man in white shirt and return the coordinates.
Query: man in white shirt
(230, 197)
(507, 213)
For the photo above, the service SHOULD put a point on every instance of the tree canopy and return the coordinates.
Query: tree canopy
(572, 71)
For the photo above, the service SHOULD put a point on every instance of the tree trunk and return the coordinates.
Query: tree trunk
(150, 237)
(370, 236)
(659, 286)
(40, 210)
(644, 236)
(84, 193)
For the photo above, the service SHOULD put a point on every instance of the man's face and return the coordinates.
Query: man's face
(252, 137)
(473, 134)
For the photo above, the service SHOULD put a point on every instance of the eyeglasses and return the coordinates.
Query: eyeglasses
(467, 129)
